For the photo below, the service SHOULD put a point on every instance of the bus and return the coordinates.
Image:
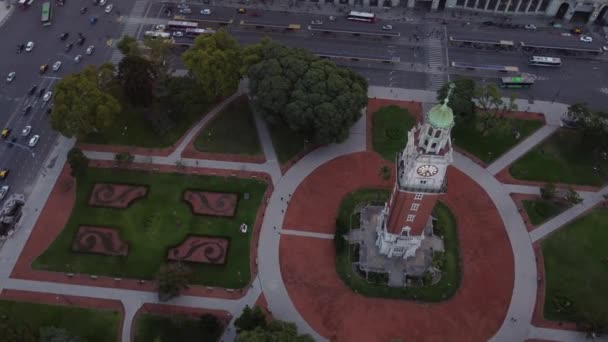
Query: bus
(195, 32)
(516, 82)
(181, 25)
(47, 13)
(157, 34)
(361, 16)
(545, 61)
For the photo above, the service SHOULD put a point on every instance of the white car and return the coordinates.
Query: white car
(566, 34)
(387, 27)
(57, 66)
(11, 76)
(183, 6)
(586, 39)
(109, 8)
(178, 34)
(26, 131)
(29, 46)
(530, 27)
(34, 141)
(3, 191)
(160, 27)
(206, 11)
(77, 59)
(47, 96)
(102, 2)
(90, 49)
(316, 22)
(185, 10)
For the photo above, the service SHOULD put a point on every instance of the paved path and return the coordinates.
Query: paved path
(307, 234)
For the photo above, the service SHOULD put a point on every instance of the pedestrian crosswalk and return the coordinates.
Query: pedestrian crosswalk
(130, 28)
(435, 62)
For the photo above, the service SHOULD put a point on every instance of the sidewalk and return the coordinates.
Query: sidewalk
(6, 10)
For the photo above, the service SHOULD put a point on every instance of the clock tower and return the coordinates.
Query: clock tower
(421, 178)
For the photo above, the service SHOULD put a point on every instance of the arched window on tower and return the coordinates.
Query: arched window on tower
(430, 131)
(437, 133)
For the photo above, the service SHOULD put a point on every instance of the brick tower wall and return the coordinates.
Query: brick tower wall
(400, 208)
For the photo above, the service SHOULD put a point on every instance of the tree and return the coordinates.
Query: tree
(573, 196)
(215, 62)
(137, 76)
(171, 280)
(17, 332)
(123, 158)
(157, 51)
(211, 325)
(461, 99)
(250, 319)
(594, 127)
(275, 331)
(78, 162)
(310, 95)
(547, 192)
(82, 104)
(492, 108)
(52, 334)
(128, 46)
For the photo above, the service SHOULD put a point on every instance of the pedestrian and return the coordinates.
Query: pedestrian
(281, 198)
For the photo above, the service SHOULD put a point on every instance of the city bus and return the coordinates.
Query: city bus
(545, 61)
(195, 32)
(361, 16)
(47, 13)
(181, 25)
(516, 82)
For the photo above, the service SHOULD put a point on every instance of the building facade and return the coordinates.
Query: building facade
(421, 178)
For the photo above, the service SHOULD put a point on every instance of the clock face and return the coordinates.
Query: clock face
(427, 170)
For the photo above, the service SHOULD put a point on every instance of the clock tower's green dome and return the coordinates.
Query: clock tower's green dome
(441, 116)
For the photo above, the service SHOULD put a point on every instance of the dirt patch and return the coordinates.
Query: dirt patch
(211, 203)
(116, 195)
(201, 249)
(99, 240)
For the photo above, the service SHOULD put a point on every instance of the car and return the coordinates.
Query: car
(387, 27)
(83, 10)
(33, 141)
(60, 2)
(109, 8)
(4, 173)
(44, 68)
(183, 6)
(50, 109)
(566, 34)
(90, 49)
(12, 142)
(77, 59)
(178, 34)
(185, 10)
(605, 48)
(577, 30)
(488, 23)
(160, 27)
(26, 131)
(6, 132)
(20, 48)
(64, 36)
(4, 191)
(26, 110)
(93, 20)
(68, 47)
(241, 10)
(80, 40)
(316, 22)
(530, 27)
(102, 2)
(32, 89)
(56, 66)
(29, 46)
(332, 18)
(586, 39)
(47, 96)
(11, 76)
(41, 91)
(206, 11)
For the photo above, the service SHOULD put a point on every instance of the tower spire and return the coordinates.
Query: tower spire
(447, 97)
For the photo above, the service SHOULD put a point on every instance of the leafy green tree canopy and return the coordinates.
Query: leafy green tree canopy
(82, 104)
(250, 319)
(461, 99)
(215, 62)
(78, 161)
(137, 76)
(276, 331)
(309, 94)
(128, 46)
(172, 279)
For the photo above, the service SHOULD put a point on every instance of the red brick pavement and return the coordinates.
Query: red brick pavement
(307, 264)
(57, 210)
(328, 185)
(65, 300)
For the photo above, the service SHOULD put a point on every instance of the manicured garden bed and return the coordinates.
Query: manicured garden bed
(389, 130)
(153, 225)
(540, 210)
(89, 324)
(576, 274)
(149, 327)
(491, 146)
(232, 131)
(444, 289)
(560, 159)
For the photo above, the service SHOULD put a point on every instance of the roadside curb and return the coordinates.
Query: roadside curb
(7, 15)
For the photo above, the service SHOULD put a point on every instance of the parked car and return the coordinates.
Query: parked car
(26, 110)
(316, 22)
(102, 2)
(20, 48)
(80, 40)
(68, 47)
(11, 76)
(32, 89)
(41, 91)
(178, 34)
(241, 10)
(57, 66)
(387, 27)
(160, 27)
(186, 10)
(47, 96)
(488, 23)
(183, 6)
(90, 49)
(206, 11)
(93, 20)
(332, 18)
(4, 173)
(34, 141)
(6, 132)
(29, 46)
(530, 27)
(83, 10)
(3, 191)
(586, 39)
(26, 131)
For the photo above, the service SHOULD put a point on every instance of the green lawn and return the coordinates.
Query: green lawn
(231, 131)
(576, 269)
(491, 146)
(444, 289)
(389, 130)
(287, 143)
(154, 224)
(540, 210)
(562, 155)
(148, 327)
(91, 325)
